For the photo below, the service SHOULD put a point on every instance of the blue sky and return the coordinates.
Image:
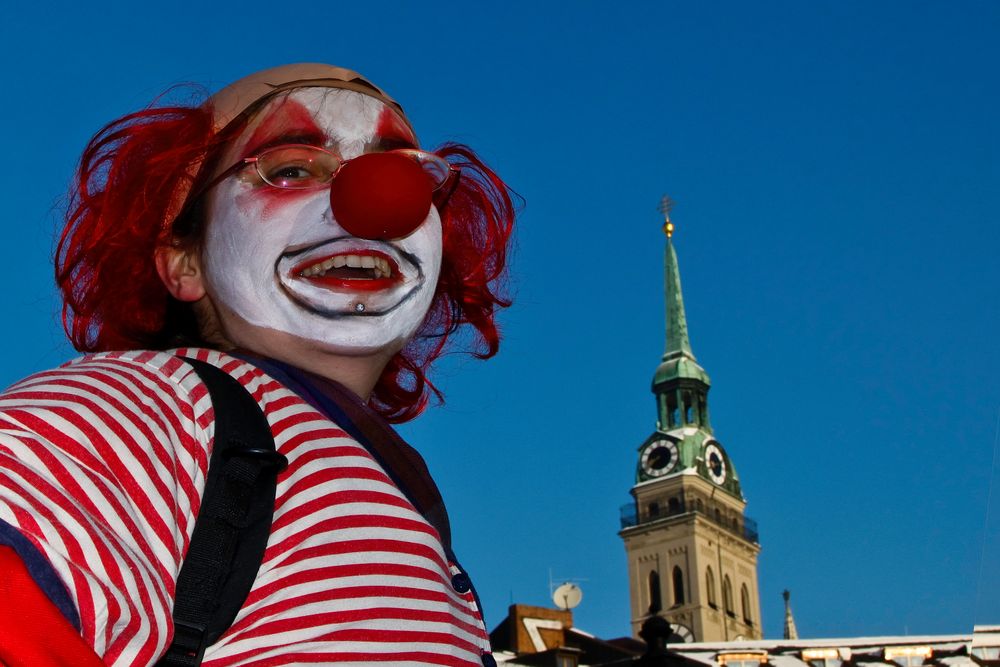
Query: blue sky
(835, 167)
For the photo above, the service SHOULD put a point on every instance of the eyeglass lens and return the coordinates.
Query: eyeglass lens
(297, 167)
(307, 167)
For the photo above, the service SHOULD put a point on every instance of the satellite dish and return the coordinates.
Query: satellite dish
(567, 596)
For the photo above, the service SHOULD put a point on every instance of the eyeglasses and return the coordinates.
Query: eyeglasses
(304, 167)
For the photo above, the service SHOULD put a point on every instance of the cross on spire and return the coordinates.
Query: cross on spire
(666, 203)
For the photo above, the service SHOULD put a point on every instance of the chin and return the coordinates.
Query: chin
(352, 349)
(306, 347)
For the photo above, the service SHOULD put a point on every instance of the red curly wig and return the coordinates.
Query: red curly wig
(123, 205)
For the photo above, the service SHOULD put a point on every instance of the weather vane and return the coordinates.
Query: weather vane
(666, 203)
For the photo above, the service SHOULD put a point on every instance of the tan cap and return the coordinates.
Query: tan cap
(241, 97)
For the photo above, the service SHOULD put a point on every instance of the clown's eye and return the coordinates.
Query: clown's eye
(297, 167)
(293, 172)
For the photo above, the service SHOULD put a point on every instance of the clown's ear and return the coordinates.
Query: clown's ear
(181, 273)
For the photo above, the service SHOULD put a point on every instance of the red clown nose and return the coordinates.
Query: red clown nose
(380, 196)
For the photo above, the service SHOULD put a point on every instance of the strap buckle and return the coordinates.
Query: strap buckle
(188, 646)
(274, 460)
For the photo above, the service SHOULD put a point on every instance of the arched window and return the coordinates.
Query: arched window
(654, 510)
(678, 586)
(727, 595)
(745, 603)
(674, 506)
(710, 587)
(655, 602)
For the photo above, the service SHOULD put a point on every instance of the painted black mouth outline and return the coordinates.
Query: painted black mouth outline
(335, 315)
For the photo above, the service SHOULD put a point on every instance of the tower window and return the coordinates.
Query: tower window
(727, 595)
(674, 506)
(908, 656)
(710, 587)
(654, 510)
(822, 657)
(655, 602)
(566, 660)
(678, 586)
(747, 659)
(745, 604)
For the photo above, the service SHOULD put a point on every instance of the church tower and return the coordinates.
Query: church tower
(692, 553)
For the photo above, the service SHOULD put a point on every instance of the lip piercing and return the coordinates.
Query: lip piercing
(359, 307)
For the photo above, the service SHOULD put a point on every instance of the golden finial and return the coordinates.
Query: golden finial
(666, 203)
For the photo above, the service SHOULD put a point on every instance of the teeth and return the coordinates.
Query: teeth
(381, 265)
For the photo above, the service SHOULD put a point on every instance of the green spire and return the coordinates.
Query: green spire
(678, 359)
(678, 343)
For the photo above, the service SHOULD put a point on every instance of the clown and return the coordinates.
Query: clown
(290, 232)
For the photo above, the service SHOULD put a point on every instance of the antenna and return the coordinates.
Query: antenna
(567, 596)
(666, 204)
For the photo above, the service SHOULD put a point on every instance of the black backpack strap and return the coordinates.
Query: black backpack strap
(231, 531)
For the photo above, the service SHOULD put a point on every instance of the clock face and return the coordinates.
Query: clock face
(715, 464)
(682, 632)
(659, 457)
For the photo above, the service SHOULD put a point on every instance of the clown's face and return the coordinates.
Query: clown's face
(277, 266)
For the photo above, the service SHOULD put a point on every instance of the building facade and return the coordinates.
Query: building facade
(692, 551)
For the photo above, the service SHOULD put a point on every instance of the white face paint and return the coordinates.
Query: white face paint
(279, 261)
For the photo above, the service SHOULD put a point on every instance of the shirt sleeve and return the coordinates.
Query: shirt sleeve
(102, 464)
(33, 630)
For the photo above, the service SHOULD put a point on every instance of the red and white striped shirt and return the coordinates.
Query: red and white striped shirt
(102, 467)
